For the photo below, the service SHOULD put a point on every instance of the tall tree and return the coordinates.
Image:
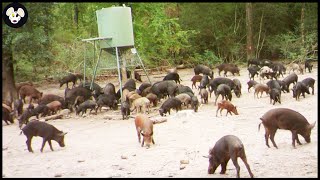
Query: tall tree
(249, 22)
(302, 24)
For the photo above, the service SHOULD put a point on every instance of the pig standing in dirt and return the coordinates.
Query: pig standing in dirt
(125, 109)
(194, 103)
(251, 84)
(144, 126)
(141, 103)
(168, 104)
(54, 106)
(204, 95)
(228, 106)
(195, 79)
(31, 91)
(47, 131)
(68, 78)
(284, 118)
(226, 148)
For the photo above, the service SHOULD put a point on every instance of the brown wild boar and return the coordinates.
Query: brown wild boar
(31, 91)
(284, 118)
(226, 148)
(228, 106)
(144, 126)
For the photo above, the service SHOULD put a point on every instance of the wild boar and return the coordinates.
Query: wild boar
(168, 104)
(152, 98)
(223, 90)
(228, 106)
(141, 103)
(195, 79)
(205, 70)
(47, 131)
(253, 71)
(173, 76)
(260, 88)
(68, 78)
(204, 95)
(288, 119)
(18, 107)
(144, 126)
(88, 104)
(307, 64)
(226, 148)
(54, 106)
(125, 109)
(31, 91)
(275, 95)
(194, 103)
(7, 115)
(184, 98)
(309, 82)
(291, 78)
(251, 83)
(298, 89)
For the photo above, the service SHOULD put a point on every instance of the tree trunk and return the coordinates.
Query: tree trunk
(249, 19)
(9, 92)
(76, 15)
(302, 24)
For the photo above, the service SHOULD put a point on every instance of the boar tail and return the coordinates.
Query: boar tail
(260, 124)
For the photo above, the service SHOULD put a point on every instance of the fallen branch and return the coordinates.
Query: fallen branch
(157, 121)
(56, 116)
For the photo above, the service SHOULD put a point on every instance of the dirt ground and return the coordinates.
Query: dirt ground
(97, 146)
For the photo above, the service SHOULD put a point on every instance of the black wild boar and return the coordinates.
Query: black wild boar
(107, 100)
(41, 109)
(109, 89)
(226, 148)
(225, 92)
(291, 78)
(253, 70)
(137, 76)
(7, 116)
(274, 84)
(237, 89)
(88, 104)
(309, 82)
(253, 62)
(69, 78)
(232, 69)
(307, 64)
(146, 91)
(18, 107)
(47, 131)
(143, 86)
(24, 118)
(204, 95)
(95, 89)
(194, 103)
(288, 119)
(251, 83)
(130, 85)
(223, 66)
(31, 91)
(73, 93)
(278, 68)
(164, 88)
(125, 109)
(168, 104)
(204, 82)
(265, 62)
(205, 70)
(275, 95)
(173, 76)
(184, 89)
(299, 89)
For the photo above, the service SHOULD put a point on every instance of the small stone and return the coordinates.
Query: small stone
(79, 161)
(124, 157)
(184, 161)
(182, 167)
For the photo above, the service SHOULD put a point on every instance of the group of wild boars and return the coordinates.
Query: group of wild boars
(223, 90)
(173, 76)
(168, 104)
(226, 148)
(220, 80)
(107, 100)
(47, 131)
(288, 119)
(224, 104)
(195, 79)
(144, 127)
(48, 98)
(205, 70)
(30, 91)
(73, 93)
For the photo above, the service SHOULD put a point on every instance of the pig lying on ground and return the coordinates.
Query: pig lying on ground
(226, 148)
(47, 131)
(284, 118)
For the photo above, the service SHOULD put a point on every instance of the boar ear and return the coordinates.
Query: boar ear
(311, 126)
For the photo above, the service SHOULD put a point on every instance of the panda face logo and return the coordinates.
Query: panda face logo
(15, 15)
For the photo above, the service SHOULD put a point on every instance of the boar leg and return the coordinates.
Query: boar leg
(235, 163)
(142, 142)
(244, 159)
(138, 133)
(224, 166)
(153, 141)
(221, 111)
(294, 137)
(266, 136)
(217, 112)
(49, 141)
(272, 134)
(43, 143)
(29, 144)
(298, 141)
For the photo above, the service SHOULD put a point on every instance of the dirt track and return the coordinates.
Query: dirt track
(99, 147)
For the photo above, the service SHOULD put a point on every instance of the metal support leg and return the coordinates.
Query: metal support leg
(144, 69)
(119, 71)
(95, 70)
